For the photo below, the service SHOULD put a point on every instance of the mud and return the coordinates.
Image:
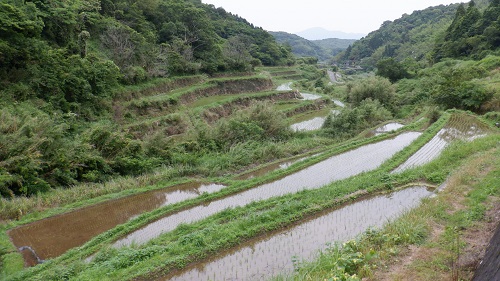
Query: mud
(51, 237)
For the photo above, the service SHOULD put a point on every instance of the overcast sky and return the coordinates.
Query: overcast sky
(353, 16)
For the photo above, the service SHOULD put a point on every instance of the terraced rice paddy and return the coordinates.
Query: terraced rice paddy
(388, 128)
(338, 103)
(53, 236)
(314, 120)
(309, 125)
(273, 254)
(269, 168)
(461, 127)
(338, 167)
(285, 87)
(306, 96)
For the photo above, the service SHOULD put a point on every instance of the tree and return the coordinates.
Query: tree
(391, 69)
(236, 54)
(375, 88)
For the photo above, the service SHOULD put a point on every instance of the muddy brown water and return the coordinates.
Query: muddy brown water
(464, 128)
(273, 255)
(338, 167)
(51, 237)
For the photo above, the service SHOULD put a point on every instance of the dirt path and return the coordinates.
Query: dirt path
(431, 261)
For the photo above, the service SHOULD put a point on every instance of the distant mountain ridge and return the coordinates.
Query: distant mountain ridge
(319, 33)
(324, 49)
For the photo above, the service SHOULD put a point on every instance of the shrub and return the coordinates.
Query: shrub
(352, 121)
(375, 88)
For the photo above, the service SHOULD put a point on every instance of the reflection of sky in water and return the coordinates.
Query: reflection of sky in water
(309, 125)
(431, 150)
(338, 167)
(285, 87)
(310, 96)
(313, 124)
(273, 255)
(338, 103)
(388, 128)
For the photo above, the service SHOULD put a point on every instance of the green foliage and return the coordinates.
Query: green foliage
(256, 123)
(36, 154)
(391, 69)
(411, 36)
(71, 53)
(352, 121)
(374, 88)
(471, 34)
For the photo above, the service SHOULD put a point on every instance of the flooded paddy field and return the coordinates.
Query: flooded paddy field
(306, 96)
(338, 103)
(309, 125)
(388, 128)
(459, 127)
(313, 120)
(338, 167)
(270, 168)
(285, 87)
(273, 254)
(51, 237)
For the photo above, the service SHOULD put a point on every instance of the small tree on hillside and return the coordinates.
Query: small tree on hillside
(391, 69)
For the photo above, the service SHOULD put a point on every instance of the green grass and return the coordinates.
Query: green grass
(310, 115)
(357, 183)
(377, 248)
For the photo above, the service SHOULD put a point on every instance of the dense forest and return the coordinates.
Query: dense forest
(408, 38)
(62, 63)
(324, 49)
(472, 34)
(71, 53)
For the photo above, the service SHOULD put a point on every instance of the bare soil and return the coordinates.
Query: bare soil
(430, 261)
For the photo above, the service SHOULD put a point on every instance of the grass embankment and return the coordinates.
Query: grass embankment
(176, 248)
(439, 240)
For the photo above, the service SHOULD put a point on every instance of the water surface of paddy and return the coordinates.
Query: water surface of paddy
(263, 258)
(306, 96)
(459, 127)
(51, 237)
(342, 166)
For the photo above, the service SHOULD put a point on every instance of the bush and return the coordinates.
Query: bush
(257, 123)
(374, 88)
(352, 121)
